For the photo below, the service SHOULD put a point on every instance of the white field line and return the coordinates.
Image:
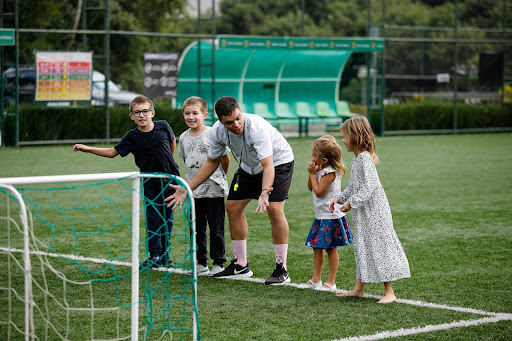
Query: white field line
(429, 328)
(492, 316)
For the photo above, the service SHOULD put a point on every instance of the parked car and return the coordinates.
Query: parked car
(116, 95)
(27, 88)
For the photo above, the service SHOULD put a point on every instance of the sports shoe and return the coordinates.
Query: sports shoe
(279, 276)
(310, 285)
(151, 262)
(202, 269)
(328, 288)
(234, 271)
(216, 269)
(165, 262)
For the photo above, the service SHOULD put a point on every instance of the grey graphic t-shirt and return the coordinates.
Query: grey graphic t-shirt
(194, 151)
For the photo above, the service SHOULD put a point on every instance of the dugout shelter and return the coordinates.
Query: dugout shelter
(277, 78)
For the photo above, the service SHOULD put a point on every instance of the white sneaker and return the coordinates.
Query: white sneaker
(202, 270)
(329, 287)
(216, 269)
(310, 285)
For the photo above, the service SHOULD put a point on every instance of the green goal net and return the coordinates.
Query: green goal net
(71, 254)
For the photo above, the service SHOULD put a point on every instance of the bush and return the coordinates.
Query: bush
(53, 124)
(428, 116)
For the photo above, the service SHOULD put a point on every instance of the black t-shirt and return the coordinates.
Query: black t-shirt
(152, 150)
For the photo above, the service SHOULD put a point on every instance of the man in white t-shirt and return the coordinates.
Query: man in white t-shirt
(265, 172)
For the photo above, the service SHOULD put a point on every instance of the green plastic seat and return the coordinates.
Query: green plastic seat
(261, 109)
(283, 111)
(303, 110)
(343, 110)
(323, 110)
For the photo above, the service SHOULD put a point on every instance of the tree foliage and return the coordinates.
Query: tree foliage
(322, 18)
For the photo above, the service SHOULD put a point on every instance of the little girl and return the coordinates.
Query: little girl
(329, 230)
(378, 253)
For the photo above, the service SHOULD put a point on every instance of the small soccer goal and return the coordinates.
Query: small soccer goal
(71, 250)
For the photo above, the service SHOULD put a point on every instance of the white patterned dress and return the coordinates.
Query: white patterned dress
(377, 250)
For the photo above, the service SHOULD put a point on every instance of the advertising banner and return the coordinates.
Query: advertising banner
(160, 75)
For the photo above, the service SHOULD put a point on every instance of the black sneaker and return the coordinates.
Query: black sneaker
(165, 262)
(151, 262)
(234, 271)
(279, 276)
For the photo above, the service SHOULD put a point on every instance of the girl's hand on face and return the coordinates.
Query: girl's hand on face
(312, 167)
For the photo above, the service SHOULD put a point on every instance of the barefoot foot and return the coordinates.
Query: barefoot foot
(352, 293)
(387, 299)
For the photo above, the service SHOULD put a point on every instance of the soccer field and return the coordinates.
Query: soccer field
(451, 200)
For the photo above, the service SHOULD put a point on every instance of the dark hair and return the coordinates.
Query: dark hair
(225, 106)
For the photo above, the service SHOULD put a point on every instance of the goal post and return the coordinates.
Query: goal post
(83, 233)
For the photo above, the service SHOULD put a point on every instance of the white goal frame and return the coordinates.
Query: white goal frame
(9, 183)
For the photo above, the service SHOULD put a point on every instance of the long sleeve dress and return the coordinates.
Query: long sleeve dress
(378, 253)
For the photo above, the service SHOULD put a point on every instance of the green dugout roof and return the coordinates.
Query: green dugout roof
(269, 70)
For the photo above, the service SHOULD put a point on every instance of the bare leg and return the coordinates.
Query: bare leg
(278, 222)
(389, 294)
(318, 264)
(237, 219)
(333, 265)
(358, 290)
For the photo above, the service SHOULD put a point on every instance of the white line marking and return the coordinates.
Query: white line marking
(429, 328)
(493, 317)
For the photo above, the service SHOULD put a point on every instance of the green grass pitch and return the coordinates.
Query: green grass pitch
(451, 199)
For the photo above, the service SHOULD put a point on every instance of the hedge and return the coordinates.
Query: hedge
(51, 124)
(428, 116)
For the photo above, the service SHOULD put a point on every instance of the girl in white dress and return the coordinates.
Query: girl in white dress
(378, 253)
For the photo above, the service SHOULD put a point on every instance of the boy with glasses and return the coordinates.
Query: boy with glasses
(152, 144)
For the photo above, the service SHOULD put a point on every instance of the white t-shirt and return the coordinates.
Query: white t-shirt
(322, 204)
(194, 151)
(258, 141)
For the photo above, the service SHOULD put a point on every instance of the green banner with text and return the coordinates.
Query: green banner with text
(302, 43)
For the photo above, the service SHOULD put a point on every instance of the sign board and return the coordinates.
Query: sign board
(63, 79)
(302, 43)
(160, 75)
(7, 37)
(443, 78)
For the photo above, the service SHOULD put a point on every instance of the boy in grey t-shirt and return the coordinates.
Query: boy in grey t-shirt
(209, 196)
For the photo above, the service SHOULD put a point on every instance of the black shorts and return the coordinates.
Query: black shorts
(249, 186)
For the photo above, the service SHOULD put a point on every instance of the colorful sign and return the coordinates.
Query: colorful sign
(303, 43)
(63, 78)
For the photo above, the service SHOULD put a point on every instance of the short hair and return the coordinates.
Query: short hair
(360, 135)
(141, 100)
(195, 100)
(327, 147)
(225, 106)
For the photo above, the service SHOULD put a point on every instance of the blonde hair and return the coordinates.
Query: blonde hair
(194, 100)
(327, 147)
(360, 135)
(141, 100)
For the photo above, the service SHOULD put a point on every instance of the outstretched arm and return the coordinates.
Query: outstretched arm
(203, 173)
(105, 152)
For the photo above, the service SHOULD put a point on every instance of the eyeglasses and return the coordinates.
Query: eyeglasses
(144, 112)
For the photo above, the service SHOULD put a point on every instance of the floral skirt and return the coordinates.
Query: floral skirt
(329, 233)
